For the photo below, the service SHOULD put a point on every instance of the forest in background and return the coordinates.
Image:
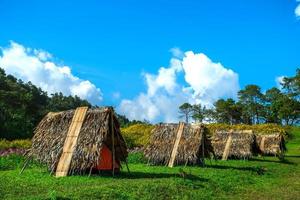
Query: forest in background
(277, 106)
(22, 106)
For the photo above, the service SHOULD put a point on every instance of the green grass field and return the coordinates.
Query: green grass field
(258, 178)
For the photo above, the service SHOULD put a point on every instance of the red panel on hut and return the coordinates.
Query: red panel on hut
(105, 162)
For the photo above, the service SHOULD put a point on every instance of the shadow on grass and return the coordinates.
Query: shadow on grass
(258, 170)
(284, 161)
(143, 175)
(292, 156)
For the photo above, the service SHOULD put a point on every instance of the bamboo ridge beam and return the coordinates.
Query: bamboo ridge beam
(227, 146)
(262, 144)
(70, 142)
(175, 148)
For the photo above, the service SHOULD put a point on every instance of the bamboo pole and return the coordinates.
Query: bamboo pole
(176, 144)
(113, 143)
(25, 164)
(203, 149)
(227, 146)
(123, 154)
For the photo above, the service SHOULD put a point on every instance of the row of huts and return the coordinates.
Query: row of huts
(85, 139)
(196, 143)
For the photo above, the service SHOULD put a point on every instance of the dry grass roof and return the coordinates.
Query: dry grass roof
(271, 144)
(242, 145)
(190, 146)
(51, 132)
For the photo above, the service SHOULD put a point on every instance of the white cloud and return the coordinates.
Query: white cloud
(116, 95)
(207, 81)
(297, 11)
(163, 93)
(176, 52)
(36, 66)
(278, 81)
(166, 78)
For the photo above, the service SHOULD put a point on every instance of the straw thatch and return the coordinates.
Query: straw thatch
(192, 147)
(96, 130)
(270, 144)
(241, 145)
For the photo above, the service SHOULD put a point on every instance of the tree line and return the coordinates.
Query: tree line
(280, 106)
(22, 106)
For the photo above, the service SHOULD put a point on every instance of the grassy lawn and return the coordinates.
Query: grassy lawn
(259, 178)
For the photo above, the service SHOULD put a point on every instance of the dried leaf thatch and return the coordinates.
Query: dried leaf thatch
(192, 146)
(271, 144)
(96, 130)
(241, 146)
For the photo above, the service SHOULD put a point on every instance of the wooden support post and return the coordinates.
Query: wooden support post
(203, 147)
(227, 146)
(176, 144)
(113, 143)
(122, 151)
(123, 154)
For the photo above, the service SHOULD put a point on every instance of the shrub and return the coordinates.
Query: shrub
(11, 162)
(257, 128)
(137, 135)
(136, 158)
(24, 144)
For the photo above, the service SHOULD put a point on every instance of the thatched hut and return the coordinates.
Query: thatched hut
(233, 143)
(193, 144)
(94, 148)
(270, 144)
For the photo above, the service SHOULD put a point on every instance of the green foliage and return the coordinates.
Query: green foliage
(252, 101)
(228, 111)
(59, 102)
(136, 158)
(292, 85)
(16, 162)
(185, 110)
(137, 135)
(11, 162)
(125, 122)
(253, 106)
(22, 106)
(24, 144)
(198, 112)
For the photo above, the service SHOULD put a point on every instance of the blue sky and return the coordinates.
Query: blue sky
(113, 44)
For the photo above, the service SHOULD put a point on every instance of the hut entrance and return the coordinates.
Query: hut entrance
(106, 160)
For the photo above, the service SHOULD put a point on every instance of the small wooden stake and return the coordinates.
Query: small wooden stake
(90, 171)
(25, 164)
